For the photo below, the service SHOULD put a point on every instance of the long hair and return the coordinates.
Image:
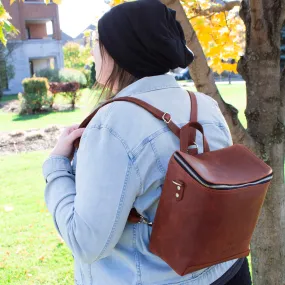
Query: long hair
(118, 76)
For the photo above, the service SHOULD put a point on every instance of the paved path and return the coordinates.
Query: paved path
(191, 83)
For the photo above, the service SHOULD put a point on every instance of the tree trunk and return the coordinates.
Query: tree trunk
(260, 67)
(203, 77)
(73, 99)
(282, 90)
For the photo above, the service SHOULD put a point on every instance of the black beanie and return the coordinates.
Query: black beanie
(144, 38)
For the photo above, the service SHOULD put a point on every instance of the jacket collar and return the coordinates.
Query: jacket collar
(148, 84)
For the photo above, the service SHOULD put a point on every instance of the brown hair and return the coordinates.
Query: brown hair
(118, 75)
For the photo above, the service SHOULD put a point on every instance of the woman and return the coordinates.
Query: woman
(124, 153)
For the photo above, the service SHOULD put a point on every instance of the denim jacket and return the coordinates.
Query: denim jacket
(121, 163)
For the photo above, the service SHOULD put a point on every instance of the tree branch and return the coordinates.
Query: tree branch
(227, 6)
(204, 79)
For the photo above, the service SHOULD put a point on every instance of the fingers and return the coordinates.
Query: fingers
(70, 129)
(75, 134)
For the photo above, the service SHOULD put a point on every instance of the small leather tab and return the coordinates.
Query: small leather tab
(179, 189)
(185, 139)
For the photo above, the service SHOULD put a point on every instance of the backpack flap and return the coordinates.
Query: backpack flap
(233, 166)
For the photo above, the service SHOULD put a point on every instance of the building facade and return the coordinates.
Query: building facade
(38, 45)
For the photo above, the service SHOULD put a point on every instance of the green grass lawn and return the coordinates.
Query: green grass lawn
(10, 121)
(234, 94)
(30, 250)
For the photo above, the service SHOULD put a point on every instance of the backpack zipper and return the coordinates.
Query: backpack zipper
(183, 163)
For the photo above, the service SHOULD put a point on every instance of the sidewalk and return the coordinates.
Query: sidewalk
(191, 83)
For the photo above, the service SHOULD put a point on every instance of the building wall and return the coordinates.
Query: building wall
(37, 31)
(34, 10)
(34, 14)
(25, 51)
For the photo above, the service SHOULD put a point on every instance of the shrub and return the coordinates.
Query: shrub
(68, 89)
(87, 74)
(72, 75)
(35, 96)
(51, 74)
(64, 75)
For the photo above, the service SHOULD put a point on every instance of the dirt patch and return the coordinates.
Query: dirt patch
(31, 140)
(12, 106)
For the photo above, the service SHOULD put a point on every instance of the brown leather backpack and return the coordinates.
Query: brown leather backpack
(210, 202)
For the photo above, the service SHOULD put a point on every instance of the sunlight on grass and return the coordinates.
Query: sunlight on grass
(11, 121)
(31, 251)
(234, 94)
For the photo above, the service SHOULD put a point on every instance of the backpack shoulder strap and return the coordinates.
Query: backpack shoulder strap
(193, 116)
(151, 109)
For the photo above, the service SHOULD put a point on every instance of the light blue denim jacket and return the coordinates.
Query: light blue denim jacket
(121, 163)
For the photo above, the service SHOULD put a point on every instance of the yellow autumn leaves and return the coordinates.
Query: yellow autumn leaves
(221, 34)
(5, 25)
(46, 1)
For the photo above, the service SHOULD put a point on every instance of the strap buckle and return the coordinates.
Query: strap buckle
(193, 146)
(145, 221)
(165, 120)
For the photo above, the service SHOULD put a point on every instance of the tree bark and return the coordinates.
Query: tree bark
(260, 67)
(227, 6)
(282, 90)
(203, 77)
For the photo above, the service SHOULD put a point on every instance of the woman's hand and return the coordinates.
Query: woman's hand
(64, 146)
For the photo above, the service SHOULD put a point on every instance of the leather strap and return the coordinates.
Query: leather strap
(154, 111)
(185, 137)
(134, 216)
(193, 117)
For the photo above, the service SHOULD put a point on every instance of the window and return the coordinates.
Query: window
(3, 74)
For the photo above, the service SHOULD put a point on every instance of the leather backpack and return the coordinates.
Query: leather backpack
(210, 202)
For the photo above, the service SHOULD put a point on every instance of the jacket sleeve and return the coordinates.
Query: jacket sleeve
(90, 210)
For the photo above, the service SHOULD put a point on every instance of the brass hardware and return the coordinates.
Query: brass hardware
(177, 195)
(164, 119)
(178, 188)
(194, 145)
(177, 184)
